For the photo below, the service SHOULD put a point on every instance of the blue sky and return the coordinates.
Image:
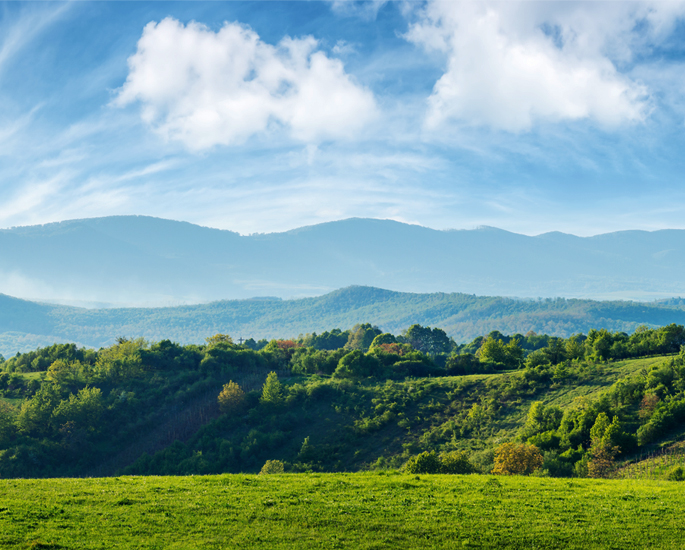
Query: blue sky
(266, 116)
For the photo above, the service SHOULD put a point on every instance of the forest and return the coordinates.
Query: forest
(346, 400)
(25, 326)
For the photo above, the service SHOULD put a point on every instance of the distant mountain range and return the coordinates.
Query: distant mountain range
(26, 325)
(139, 260)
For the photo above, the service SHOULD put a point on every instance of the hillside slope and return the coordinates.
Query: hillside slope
(25, 325)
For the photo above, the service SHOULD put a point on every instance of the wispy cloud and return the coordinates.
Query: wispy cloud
(17, 34)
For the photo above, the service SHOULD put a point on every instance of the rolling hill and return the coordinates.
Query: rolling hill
(25, 325)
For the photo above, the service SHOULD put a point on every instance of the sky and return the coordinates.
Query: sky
(266, 116)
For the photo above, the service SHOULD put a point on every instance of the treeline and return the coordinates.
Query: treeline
(67, 409)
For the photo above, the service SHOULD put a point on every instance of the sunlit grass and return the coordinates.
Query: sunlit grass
(340, 511)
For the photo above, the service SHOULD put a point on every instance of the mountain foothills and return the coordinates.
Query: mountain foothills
(26, 325)
(588, 405)
(135, 260)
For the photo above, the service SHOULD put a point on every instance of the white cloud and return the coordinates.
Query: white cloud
(206, 88)
(511, 65)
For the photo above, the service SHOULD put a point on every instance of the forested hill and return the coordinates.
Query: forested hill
(26, 325)
(135, 260)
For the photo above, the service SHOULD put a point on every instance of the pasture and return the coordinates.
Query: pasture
(356, 511)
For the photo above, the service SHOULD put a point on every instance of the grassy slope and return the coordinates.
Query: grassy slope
(340, 511)
(349, 433)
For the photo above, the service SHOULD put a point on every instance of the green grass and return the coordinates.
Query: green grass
(656, 465)
(340, 511)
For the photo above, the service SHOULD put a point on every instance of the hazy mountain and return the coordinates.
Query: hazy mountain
(26, 325)
(148, 261)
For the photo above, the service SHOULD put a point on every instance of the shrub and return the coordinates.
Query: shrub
(455, 462)
(357, 365)
(272, 467)
(517, 458)
(425, 463)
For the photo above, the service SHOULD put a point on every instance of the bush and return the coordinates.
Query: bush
(455, 462)
(357, 365)
(517, 458)
(272, 467)
(425, 463)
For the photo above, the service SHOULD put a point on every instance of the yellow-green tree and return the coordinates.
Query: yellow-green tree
(218, 339)
(69, 373)
(517, 459)
(272, 467)
(232, 398)
(121, 361)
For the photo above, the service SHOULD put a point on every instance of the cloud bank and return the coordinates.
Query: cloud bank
(206, 88)
(510, 65)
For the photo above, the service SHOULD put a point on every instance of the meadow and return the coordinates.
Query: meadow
(360, 510)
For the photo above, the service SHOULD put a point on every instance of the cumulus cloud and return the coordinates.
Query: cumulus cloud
(206, 88)
(510, 65)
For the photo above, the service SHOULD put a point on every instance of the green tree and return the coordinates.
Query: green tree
(381, 339)
(357, 365)
(361, 337)
(427, 340)
(502, 355)
(35, 414)
(272, 391)
(541, 419)
(8, 418)
(574, 347)
(83, 409)
(605, 437)
(69, 373)
(121, 361)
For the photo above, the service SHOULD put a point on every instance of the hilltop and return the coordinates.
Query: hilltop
(25, 325)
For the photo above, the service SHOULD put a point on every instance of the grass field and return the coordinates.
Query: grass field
(340, 511)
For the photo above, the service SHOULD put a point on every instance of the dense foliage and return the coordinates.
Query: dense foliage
(374, 402)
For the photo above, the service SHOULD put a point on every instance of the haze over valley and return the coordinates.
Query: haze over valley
(142, 261)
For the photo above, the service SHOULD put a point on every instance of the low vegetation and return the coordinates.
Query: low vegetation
(365, 511)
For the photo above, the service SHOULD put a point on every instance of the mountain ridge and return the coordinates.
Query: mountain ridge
(141, 261)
